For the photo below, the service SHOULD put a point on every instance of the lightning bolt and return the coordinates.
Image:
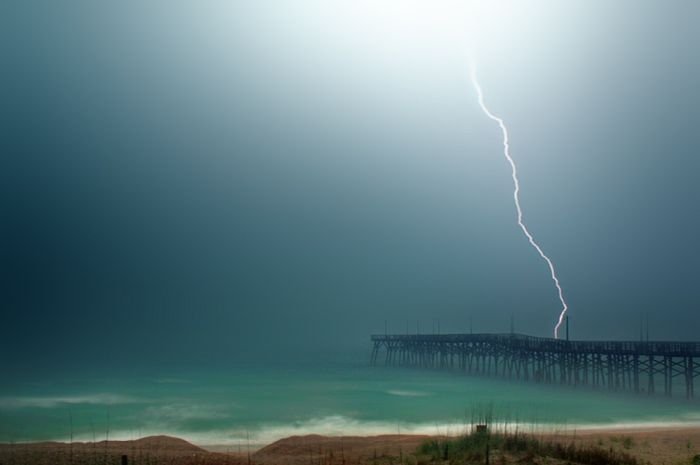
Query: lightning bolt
(516, 198)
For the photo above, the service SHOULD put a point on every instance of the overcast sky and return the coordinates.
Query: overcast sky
(220, 180)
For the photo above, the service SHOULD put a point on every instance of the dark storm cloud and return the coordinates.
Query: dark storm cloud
(175, 190)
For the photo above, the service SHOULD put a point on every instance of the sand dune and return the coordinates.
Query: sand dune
(149, 450)
(334, 449)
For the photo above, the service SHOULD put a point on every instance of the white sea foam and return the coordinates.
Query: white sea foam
(18, 402)
(403, 393)
(179, 412)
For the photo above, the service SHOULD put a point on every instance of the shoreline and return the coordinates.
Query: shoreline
(554, 431)
(256, 442)
(654, 444)
(670, 443)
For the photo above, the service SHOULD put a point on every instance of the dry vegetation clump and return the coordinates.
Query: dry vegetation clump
(485, 447)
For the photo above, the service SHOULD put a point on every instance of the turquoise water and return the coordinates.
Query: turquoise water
(269, 402)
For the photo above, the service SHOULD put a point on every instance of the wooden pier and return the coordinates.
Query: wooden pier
(651, 367)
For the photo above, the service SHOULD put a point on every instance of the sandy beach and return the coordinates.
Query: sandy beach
(654, 445)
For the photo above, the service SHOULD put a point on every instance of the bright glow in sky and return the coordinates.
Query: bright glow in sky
(464, 23)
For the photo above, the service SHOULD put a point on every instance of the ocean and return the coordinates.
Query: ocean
(248, 405)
